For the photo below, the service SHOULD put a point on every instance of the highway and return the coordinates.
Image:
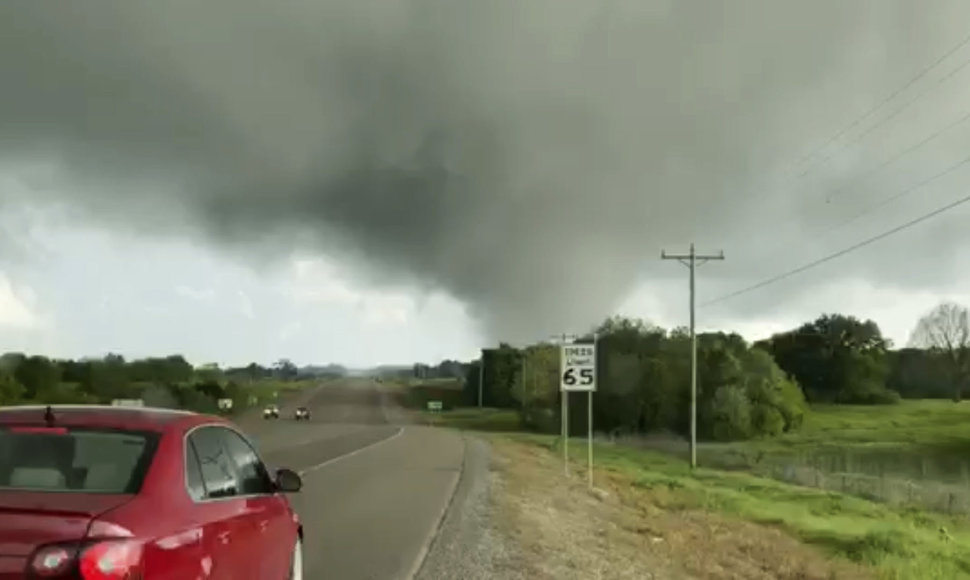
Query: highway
(375, 488)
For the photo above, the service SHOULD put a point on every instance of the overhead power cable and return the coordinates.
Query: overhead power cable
(912, 81)
(892, 116)
(842, 252)
(867, 173)
(899, 195)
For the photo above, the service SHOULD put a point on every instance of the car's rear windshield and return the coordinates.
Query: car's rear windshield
(34, 458)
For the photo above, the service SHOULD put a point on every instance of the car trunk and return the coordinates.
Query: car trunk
(32, 519)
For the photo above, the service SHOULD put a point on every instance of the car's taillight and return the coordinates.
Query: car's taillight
(52, 561)
(101, 560)
(112, 560)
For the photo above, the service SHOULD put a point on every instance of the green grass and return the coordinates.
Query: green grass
(474, 419)
(899, 543)
(265, 389)
(915, 453)
(915, 425)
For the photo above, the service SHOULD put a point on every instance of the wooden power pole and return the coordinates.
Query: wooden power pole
(692, 260)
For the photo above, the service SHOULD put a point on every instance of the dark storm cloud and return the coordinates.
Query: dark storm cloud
(529, 157)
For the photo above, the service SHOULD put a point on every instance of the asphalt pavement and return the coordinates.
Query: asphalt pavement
(375, 488)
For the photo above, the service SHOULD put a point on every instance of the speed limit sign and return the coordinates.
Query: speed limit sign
(577, 367)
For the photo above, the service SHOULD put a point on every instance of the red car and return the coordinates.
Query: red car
(122, 493)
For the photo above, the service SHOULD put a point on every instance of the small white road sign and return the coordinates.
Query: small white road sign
(127, 403)
(578, 367)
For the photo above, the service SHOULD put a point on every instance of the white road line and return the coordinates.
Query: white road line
(436, 530)
(351, 453)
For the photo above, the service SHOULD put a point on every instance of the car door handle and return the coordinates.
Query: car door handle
(263, 525)
(223, 537)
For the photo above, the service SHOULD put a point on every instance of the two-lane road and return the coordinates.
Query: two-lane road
(374, 488)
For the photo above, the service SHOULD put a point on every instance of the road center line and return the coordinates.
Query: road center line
(332, 460)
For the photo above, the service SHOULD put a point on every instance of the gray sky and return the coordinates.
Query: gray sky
(399, 180)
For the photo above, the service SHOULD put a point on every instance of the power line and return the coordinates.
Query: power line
(842, 252)
(888, 200)
(885, 120)
(837, 192)
(885, 101)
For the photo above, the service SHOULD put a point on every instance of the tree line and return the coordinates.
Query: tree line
(169, 381)
(744, 390)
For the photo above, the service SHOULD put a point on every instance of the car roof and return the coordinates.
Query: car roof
(134, 418)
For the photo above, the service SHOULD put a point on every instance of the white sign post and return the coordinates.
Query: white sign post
(578, 373)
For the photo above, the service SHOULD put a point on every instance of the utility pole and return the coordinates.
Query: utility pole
(692, 260)
(481, 378)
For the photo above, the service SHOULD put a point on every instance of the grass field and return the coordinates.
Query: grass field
(916, 453)
(897, 542)
(265, 390)
(912, 455)
(883, 487)
(920, 425)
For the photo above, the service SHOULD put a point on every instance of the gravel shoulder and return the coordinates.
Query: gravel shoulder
(467, 545)
(514, 516)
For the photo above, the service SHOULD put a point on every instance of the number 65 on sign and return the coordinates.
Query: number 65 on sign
(577, 367)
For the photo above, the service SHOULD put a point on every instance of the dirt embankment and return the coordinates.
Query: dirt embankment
(559, 530)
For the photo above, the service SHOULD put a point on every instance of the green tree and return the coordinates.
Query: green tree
(39, 376)
(917, 373)
(778, 402)
(729, 414)
(536, 388)
(472, 378)
(170, 369)
(11, 392)
(502, 368)
(835, 358)
(285, 369)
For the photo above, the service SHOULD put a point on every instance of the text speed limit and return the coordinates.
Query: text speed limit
(578, 367)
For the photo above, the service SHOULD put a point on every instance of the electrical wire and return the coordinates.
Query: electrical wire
(842, 252)
(964, 42)
(869, 172)
(885, 120)
(888, 200)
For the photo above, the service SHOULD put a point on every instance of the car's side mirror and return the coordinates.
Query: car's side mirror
(288, 481)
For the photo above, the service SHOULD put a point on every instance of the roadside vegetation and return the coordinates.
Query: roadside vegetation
(162, 382)
(733, 519)
(829, 404)
(826, 432)
(640, 522)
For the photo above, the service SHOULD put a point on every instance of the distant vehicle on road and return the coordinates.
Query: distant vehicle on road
(301, 413)
(271, 412)
(118, 493)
